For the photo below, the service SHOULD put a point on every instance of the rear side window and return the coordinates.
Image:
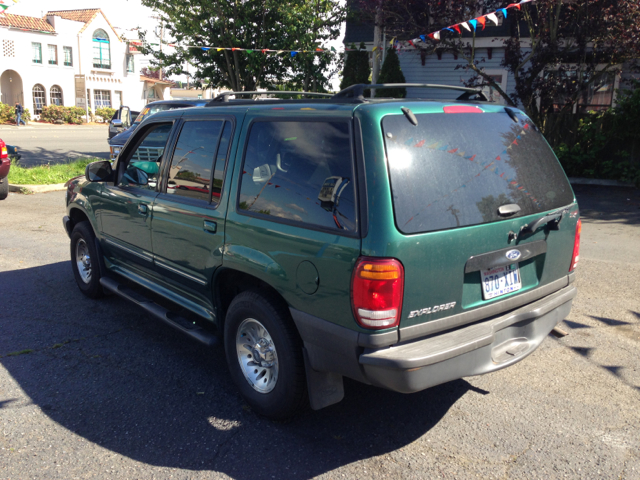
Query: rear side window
(456, 170)
(193, 160)
(301, 172)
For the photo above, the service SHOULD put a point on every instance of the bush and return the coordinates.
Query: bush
(8, 114)
(356, 67)
(52, 113)
(105, 112)
(391, 73)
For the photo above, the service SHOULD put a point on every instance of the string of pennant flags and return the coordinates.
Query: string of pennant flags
(4, 4)
(394, 43)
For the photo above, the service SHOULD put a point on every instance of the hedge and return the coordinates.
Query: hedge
(52, 113)
(8, 114)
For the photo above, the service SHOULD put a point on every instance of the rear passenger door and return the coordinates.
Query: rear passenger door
(293, 220)
(188, 219)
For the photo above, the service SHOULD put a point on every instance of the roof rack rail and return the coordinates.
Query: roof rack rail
(357, 91)
(224, 96)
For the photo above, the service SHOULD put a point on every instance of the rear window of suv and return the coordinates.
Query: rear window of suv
(455, 170)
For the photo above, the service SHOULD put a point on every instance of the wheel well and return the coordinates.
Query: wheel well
(230, 283)
(77, 216)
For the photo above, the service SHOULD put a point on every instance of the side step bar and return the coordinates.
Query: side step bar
(168, 317)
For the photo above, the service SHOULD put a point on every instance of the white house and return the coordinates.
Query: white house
(70, 57)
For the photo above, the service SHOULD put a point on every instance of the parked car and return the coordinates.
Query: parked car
(117, 141)
(6, 151)
(401, 243)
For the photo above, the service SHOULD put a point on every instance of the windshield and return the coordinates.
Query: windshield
(152, 110)
(455, 170)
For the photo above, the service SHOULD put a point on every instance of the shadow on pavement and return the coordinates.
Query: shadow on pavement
(610, 204)
(127, 383)
(32, 157)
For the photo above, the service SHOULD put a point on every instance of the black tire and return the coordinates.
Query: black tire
(83, 240)
(4, 188)
(289, 392)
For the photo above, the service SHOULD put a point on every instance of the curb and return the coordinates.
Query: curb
(595, 181)
(56, 187)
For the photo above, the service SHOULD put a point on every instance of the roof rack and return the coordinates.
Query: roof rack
(224, 96)
(357, 91)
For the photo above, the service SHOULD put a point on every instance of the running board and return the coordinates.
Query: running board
(167, 316)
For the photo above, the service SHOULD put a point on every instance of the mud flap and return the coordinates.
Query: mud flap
(324, 388)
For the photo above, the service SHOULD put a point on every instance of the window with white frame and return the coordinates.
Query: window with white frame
(102, 98)
(101, 49)
(56, 95)
(39, 98)
(68, 56)
(53, 54)
(36, 49)
(597, 94)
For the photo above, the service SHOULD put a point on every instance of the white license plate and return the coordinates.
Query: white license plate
(500, 281)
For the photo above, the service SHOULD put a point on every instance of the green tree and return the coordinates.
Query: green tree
(391, 73)
(255, 25)
(356, 67)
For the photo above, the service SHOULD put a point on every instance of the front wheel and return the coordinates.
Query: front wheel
(264, 354)
(4, 188)
(84, 260)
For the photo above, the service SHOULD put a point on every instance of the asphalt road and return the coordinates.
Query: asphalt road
(95, 389)
(53, 144)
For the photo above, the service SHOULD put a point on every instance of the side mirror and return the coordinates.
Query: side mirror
(116, 123)
(99, 171)
(136, 176)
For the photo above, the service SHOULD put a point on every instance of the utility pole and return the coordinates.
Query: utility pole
(377, 47)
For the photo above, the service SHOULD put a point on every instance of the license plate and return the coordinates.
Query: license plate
(500, 281)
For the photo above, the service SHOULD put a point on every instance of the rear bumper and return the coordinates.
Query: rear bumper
(416, 365)
(5, 165)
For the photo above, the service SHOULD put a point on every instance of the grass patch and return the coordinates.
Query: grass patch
(48, 174)
(21, 352)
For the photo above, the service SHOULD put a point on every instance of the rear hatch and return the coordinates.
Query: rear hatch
(466, 181)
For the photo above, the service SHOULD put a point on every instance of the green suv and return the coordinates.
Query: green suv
(401, 243)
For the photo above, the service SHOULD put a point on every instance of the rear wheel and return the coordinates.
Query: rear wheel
(4, 188)
(84, 260)
(264, 353)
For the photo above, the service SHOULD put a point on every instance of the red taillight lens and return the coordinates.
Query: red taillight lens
(3, 151)
(377, 287)
(576, 247)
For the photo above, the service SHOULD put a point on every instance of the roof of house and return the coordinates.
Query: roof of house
(155, 80)
(23, 22)
(86, 16)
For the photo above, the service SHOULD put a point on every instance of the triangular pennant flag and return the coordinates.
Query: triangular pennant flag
(419, 144)
(482, 21)
(333, 49)
(249, 51)
(264, 50)
(514, 5)
(319, 50)
(465, 25)
(453, 151)
(515, 142)
(472, 158)
(423, 38)
(234, 49)
(374, 49)
(473, 23)
(498, 157)
(206, 48)
(411, 43)
(457, 29)
(449, 28)
(493, 17)
(219, 49)
(293, 54)
(504, 12)
(436, 35)
(279, 51)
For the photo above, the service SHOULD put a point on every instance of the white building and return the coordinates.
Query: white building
(68, 57)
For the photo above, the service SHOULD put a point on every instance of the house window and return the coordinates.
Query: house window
(102, 98)
(56, 95)
(130, 64)
(37, 52)
(53, 54)
(39, 99)
(101, 52)
(597, 95)
(68, 56)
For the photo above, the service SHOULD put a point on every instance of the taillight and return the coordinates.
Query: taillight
(3, 152)
(576, 246)
(377, 287)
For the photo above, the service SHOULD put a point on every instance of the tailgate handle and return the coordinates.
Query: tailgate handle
(211, 227)
(507, 210)
(553, 219)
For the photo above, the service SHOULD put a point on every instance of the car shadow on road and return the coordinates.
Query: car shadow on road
(119, 379)
(32, 157)
(609, 204)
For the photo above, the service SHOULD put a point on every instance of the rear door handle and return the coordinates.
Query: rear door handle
(210, 226)
(143, 209)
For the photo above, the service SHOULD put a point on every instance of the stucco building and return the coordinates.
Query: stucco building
(70, 57)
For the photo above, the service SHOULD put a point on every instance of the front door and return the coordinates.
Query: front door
(125, 209)
(189, 213)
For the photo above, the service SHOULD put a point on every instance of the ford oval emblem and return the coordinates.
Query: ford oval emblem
(513, 254)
